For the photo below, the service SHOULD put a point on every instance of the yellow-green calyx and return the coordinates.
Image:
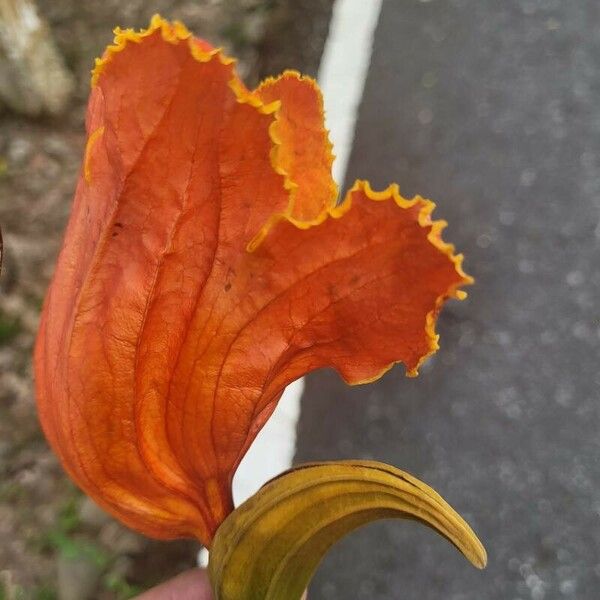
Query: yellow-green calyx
(269, 547)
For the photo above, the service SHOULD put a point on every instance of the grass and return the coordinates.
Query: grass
(61, 539)
(121, 588)
(10, 492)
(10, 327)
(44, 592)
(16, 592)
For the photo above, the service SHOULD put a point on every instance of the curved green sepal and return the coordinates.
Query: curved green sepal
(270, 546)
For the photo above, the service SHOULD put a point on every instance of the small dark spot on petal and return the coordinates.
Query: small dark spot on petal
(118, 224)
(227, 286)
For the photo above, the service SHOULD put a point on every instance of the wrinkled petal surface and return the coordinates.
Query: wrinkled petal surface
(302, 152)
(205, 266)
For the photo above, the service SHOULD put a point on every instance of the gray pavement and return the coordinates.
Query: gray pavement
(491, 108)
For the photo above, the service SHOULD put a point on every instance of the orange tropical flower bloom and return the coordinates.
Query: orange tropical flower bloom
(206, 265)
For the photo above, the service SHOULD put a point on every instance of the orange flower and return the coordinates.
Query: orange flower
(206, 265)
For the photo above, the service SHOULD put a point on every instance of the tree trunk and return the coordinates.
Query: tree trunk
(33, 76)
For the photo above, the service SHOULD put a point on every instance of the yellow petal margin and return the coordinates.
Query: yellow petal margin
(269, 547)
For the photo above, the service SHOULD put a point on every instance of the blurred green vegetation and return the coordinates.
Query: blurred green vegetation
(10, 327)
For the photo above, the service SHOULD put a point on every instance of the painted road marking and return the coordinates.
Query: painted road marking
(343, 72)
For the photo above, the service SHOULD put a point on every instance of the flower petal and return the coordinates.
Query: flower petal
(150, 218)
(358, 292)
(303, 152)
(164, 344)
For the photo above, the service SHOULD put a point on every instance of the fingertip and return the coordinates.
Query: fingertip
(189, 585)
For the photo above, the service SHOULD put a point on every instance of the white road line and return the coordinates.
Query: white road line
(273, 449)
(343, 72)
(342, 75)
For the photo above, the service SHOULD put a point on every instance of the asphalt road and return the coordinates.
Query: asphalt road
(493, 110)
